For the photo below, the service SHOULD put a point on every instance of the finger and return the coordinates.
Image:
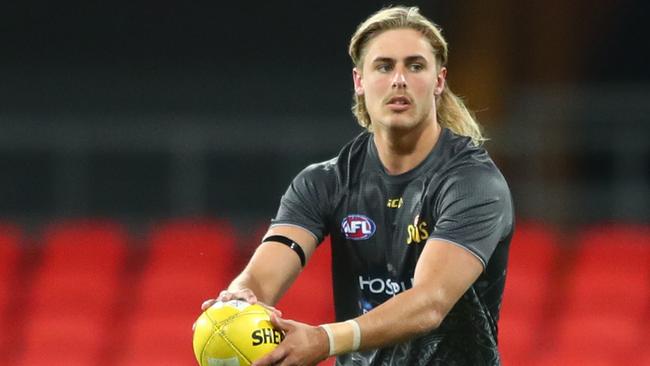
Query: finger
(243, 294)
(271, 309)
(225, 296)
(272, 358)
(275, 311)
(247, 295)
(280, 323)
(207, 303)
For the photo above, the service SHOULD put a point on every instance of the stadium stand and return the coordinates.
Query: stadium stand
(70, 302)
(534, 253)
(94, 294)
(607, 296)
(188, 261)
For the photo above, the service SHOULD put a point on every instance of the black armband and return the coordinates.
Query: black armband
(290, 243)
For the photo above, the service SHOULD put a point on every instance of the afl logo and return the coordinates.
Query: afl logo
(358, 227)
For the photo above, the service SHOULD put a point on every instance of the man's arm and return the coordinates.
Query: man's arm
(272, 268)
(444, 272)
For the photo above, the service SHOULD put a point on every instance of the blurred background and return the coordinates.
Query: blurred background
(145, 145)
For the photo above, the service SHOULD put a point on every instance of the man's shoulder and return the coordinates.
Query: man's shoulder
(467, 163)
(321, 170)
(339, 166)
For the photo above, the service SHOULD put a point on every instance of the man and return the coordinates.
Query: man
(419, 216)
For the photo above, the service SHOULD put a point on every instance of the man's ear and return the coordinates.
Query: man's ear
(441, 79)
(358, 82)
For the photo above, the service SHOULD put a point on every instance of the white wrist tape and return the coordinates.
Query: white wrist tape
(356, 334)
(343, 337)
(330, 338)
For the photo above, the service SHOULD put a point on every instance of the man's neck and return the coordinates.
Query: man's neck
(401, 151)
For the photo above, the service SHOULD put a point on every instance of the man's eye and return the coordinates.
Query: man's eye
(416, 67)
(383, 67)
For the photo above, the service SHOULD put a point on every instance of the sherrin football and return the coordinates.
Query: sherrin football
(234, 333)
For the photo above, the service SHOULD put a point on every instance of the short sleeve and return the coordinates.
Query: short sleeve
(474, 210)
(307, 201)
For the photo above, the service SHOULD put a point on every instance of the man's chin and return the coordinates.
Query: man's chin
(400, 123)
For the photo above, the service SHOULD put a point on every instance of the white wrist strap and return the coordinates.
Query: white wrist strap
(343, 337)
(330, 338)
(356, 334)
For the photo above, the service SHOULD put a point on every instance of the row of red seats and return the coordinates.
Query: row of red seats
(81, 305)
(581, 304)
(91, 295)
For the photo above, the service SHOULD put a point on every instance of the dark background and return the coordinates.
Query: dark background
(145, 109)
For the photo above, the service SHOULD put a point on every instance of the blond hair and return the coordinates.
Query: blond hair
(451, 111)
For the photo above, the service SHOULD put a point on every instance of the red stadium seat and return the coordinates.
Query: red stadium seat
(623, 249)
(607, 297)
(189, 261)
(52, 356)
(160, 341)
(517, 338)
(72, 298)
(66, 339)
(81, 267)
(629, 238)
(611, 272)
(573, 358)
(608, 292)
(532, 264)
(192, 246)
(595, 337)
(643, 357)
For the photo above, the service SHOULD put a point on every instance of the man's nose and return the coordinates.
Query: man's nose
(399, 81)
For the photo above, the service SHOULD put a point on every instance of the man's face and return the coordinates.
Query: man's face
(399, 80)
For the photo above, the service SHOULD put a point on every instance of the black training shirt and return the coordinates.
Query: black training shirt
(379, 225)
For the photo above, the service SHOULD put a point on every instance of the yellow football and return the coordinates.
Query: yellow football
(234, 333)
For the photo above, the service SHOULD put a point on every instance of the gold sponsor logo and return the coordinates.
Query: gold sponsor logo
(417, 232)
(395, 202)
